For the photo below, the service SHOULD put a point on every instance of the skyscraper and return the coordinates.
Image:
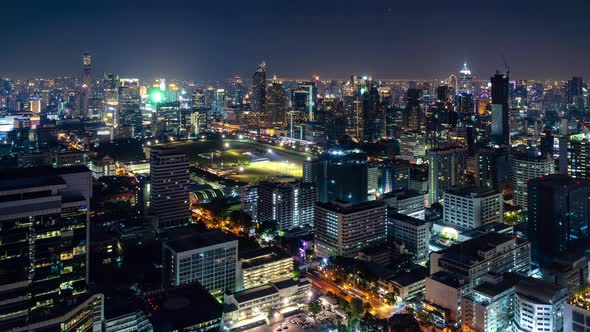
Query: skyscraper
(304, 100)
(289, 205)
(577, 156)
(110, 114)
(446, 169)
(129, 99)
(558, 215)
(333, 172)
(342, 229)
(258, 98)
(525, 167)
(169, 179)
(500, 110)
(43, 244)
(276, 104)
(465, 80)
(373, 115)
(86, 83)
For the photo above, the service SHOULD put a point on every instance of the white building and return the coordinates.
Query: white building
(258, 303)
(406, 201)
(524, 168)
(342, 228)
(538, 306)
(209, 258)
(264, 265)
(412, 232)
(472, 208)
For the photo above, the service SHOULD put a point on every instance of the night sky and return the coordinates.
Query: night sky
(215, 39)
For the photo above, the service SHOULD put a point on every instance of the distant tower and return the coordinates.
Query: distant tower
(466, 81)
(86, 83)
(259, 89)
(500, 91)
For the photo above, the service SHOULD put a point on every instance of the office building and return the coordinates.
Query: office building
(446, 169)
(412, 145)
(395, 175)
(249, 201)
(334, 173)
(412, 232)
(262, 266)
(276, 104)
(258, 98)
(372, 179)
(578, 156)
(500, 111)
(169, 180)
(526, 167)
(304, 100)
(86, 89)
(342, 228)
(405, 201)
(576, 311)
(442, 297)
(129, 103)
(209, 258)
(407, 284)
(489, 307)
(264, 303)
(44, 245)
(538, 306)
(471, 207)
(493, 168)
(568, 271)
(491, 252)
(558, 215)
(289, 205)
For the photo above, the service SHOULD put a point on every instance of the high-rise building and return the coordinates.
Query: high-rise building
(471, 208)
(578, 156)
(210, 258)
(500, 110)
(276, 104)
(169, 180)
(372, 179)
(129, 100)
(446, 169)
(86, 83)
(491, 252)
(574, 90)
(412, 232)
(465, 81)
(395, 175)
(258, 98)
(489, 307)
(336, 183)
(44, 244)
(110, 114)
(493, 167)
(289, 205)
(373, 115)
(558, 215)
(304, 100)
(342, 228)
(538, 306)
(525, 167)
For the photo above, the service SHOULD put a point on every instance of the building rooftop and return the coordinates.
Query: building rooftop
(199, 240)
(347, 208)
(448, 278)
(178, 308)
(255, 293)
(402, 194)
(410, 276)
(407, 219)
(494, 284)
(469, 252)
(472, 192)
(261, 256)
(488, 228)
(539, 290)
(581, 298)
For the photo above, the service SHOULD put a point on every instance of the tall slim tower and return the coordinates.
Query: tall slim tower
(500, 93)
(259, 89)
(86, 83)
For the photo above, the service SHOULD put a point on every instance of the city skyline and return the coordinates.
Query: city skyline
(333, 40)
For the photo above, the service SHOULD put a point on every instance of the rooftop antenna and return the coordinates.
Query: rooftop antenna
(506, 65)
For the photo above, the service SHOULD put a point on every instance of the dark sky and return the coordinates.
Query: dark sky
(214, 39)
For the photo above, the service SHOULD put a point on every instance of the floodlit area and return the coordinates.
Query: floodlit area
(248, 161)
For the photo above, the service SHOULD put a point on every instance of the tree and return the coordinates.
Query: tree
(356, 308)
(366, 307)
(314, 308)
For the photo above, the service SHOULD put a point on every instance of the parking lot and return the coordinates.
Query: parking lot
(294, 323)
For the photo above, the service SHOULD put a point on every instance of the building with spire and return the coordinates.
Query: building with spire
(258, 99)
(465, 80)
(86, 88)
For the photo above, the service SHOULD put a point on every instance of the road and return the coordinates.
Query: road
(379, 309)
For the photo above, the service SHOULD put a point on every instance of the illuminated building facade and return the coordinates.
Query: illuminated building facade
(262, 266)
(471, 208)
(44, 241)
(169, 179)
(289, 205)
(446, 169)
(500, 111)
(578, 156)
(342, 228)
(526, 167)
